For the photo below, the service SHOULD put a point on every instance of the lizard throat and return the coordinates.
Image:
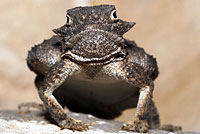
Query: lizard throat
(94, 61)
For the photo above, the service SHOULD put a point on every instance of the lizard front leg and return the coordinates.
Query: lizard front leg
(55, 77)
(136, 76)
(140, 123)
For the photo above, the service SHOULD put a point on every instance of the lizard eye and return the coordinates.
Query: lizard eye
(69, 20)
(114, 16)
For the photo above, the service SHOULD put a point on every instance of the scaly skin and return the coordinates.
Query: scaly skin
(90, 50)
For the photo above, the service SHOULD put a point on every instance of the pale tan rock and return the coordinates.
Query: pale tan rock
(35, 122)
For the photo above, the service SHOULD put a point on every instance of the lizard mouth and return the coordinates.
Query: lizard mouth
(116, 55)
(94, 46)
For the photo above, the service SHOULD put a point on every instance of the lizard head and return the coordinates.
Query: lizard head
(93, 34)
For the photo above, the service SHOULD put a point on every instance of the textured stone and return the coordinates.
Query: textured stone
(38, 123)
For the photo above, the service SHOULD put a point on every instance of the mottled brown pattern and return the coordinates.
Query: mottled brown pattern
(89, 67)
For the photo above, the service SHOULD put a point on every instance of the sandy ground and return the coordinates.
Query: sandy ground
(167, 29)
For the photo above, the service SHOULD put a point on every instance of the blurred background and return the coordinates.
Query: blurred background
(168, 29)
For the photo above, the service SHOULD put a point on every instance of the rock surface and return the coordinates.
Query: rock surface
(36, 122)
